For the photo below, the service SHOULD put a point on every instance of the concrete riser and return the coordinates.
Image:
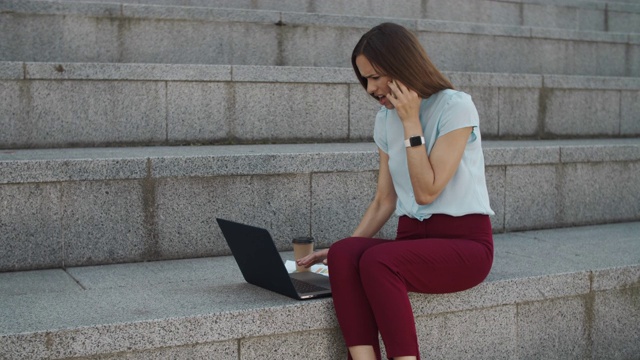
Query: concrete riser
(125, 218)
(592, 16)
(188, 36)
(482, 323)
(593, 326)
(49, 110)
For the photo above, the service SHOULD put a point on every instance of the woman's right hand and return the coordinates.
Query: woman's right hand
(314, 258)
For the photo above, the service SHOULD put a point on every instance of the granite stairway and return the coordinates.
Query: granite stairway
(127, 127)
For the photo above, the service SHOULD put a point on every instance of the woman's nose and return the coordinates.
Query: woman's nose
(371, 87)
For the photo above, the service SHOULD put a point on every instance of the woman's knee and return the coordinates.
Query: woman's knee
(350, 249)
(341, 249)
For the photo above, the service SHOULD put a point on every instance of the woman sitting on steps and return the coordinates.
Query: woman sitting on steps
(432, 176)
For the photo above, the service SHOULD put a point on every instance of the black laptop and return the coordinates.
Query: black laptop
(261, 264)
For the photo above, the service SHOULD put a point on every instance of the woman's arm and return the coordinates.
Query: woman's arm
(429, 174)
(377, 214)
(383, 204)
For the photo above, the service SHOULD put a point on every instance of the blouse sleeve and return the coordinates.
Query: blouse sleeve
(459, 112)
(380, 131)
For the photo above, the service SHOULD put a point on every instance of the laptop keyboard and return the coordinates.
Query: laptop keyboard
(304, 287)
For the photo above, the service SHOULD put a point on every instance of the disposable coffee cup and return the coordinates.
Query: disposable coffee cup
(302, 246)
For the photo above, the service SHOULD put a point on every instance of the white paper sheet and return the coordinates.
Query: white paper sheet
(318, 268)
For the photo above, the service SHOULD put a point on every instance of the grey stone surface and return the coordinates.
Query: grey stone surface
(119, 112)
(35, 282)
(323, 344)
(61, 7)
(142, 11)
(114, 71)
(618, 277)
(521, 152)
(11, 70)
(130, 309)
(199, 112)
(633, 65)
(583, 112)
(362, 113)
(509, 107)
(175, 111)
(493, 12)
(486, 334)
(128, 319)
(531, 198)
(624, 6)
(47, 165)
(332, 46)
(449, 51)
(198, 42)
(263, 159)
(399, 9)
(518, 111)
(486, 101)
(435, 26)
(591, 19)
(611, 192)
(12, 112)
(556, 329)
(265, 112)
(582, 244)
(293, 74)
(561, 14)
(362, 22)
(152, 191)
(549, 16)
(222, 350)
(499, 80)
(39, 38)
(104, 222)
(590, 82)
(604, 150)
(185, 35)
(495, 178)
(540, 257)
(630, 113)
(338, 202)
(187, 208)
(31, 234)
(178, 273)
(611, 58)
(624, 22)
(506, 285)
(54, 165)
(615, 325)
(563, 34)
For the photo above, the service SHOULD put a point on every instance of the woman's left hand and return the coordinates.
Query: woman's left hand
(406, 101)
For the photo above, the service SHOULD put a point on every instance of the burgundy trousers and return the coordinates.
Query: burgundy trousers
(370, 278)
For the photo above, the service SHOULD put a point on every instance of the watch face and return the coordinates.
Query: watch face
(415, 141)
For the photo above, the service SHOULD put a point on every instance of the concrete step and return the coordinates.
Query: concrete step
(116, 33)
(52, 105)
(73, 207)
(564, 14)
(568, 293)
